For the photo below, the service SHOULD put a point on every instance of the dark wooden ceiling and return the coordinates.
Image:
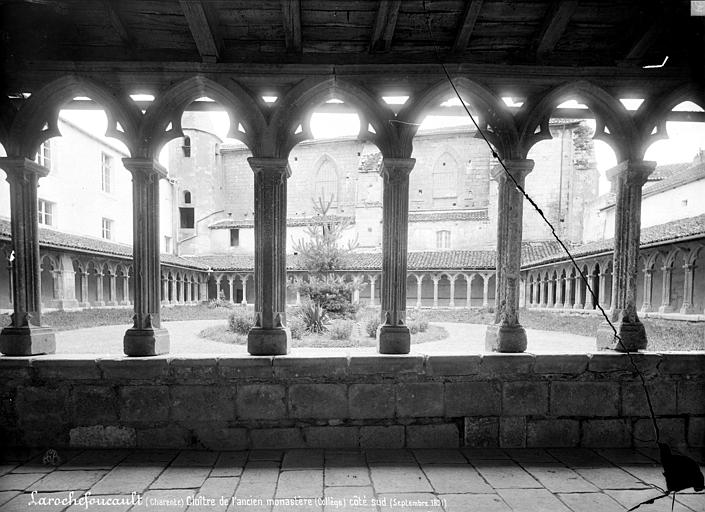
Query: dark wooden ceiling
(315, 35)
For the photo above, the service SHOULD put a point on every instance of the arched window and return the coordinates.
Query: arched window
(187, 197)
(327, 182)
(445, 178)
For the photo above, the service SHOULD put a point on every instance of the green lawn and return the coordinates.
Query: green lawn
(663, 334)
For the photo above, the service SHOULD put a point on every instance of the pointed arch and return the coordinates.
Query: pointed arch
(297, 105)
(496, 118)
(326, 186)
(613, 123)
(42, 109)
(240, 105)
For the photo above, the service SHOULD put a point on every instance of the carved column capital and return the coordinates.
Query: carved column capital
(276, 169)
(145, 167)
(396, 170)
(22, 168)
(519, 169)
(634, 172)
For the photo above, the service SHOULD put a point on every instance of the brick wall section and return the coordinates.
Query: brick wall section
(508, 400)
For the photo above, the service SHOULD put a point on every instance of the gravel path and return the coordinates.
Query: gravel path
(463, 339)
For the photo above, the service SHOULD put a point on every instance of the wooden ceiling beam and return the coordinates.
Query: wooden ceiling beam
(467, 25)
(202, 24)
(554, 25)
(385, 23)
(645, 42)
(291, 15)
(118, 23)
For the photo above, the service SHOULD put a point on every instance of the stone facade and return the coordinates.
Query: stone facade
(361, 401)
(452, 199)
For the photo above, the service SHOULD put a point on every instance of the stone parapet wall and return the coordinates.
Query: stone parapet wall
(363, 401)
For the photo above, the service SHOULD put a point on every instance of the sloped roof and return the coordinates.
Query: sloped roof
(290, 222)
(674, 231)
(672, 176)
(50, 238)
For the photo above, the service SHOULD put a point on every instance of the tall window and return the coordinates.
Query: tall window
(445, 177)
(186, 148)
(443, 239)
(187, 197)
(234, 238)
(107, 229)
(327, 182)
(44, 155)
(106, 171)
(186, 218)
(45, 209)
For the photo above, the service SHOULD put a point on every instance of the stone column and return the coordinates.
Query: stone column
(56, 286)
(419, 290)
(270, 335)
(85, 302)
(568, 290)
(172, 290)
(507, 334)
(559, 293)
(298, 297)
(99, 289)
(25, 335)
(468, 290)
(146, 337)
(165, 290)
(393, 336)
(648, 277)
(535, 293)
(231, 282)
(67, 284)
(451, 303)
(589, 303)
(551, 292)
(189, 291)
(630, 178)
(485, 290)
(244, 290)
(579, 285)
(435, 291)
(687, 306)
(203, 290)
(126, 290)
(542, 293)
(373, 279)
(603, 288)
(112, 292)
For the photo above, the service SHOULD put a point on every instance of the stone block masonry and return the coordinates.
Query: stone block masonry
(414, 401)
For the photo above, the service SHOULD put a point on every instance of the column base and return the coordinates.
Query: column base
(145, 342)
(633, 336)
(67, 304)
(665, 309)
(27, 341)
(268, 342)
(505, 338)
(393, 339)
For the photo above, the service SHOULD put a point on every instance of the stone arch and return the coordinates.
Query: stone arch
(652, 113)
(298, 104)
(48, 267)
(611, 115)
(240, 104)
(41, 109)
(499, 125)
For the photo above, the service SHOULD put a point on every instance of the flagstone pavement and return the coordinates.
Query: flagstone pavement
(462, 480)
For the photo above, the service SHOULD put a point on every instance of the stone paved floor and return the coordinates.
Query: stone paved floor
(465, 480)
(462, 339)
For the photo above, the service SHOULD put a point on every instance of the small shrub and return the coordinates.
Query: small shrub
(314, 317)
(340, 329)
(371, 325)
(220, 302)
(241, 321)
(417, 323)
(332, 293)
(296, 325)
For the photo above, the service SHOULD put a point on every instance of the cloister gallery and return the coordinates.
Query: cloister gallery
(540, 53)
